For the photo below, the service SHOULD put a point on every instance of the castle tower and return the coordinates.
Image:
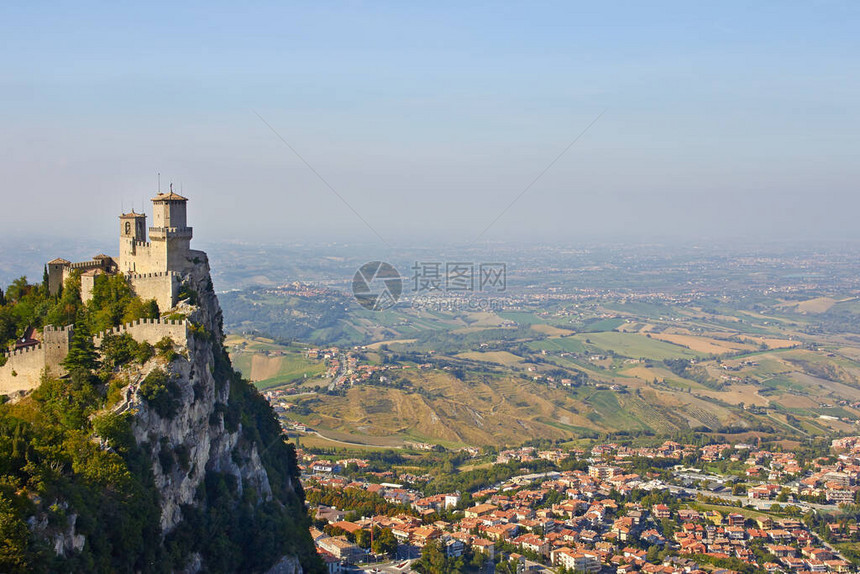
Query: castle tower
(57, 274)
(170, 234)
(132, 231)
(56, 342)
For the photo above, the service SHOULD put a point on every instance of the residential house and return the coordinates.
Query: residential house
(341, 548)
(574, 560)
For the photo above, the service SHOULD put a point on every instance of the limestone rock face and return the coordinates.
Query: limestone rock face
(195, 439)
(63, 539)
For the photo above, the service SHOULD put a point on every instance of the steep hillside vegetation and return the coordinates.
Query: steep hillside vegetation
(145, 458)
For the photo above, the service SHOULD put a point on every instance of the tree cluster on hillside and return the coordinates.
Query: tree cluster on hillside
(31, 305)
(435, 560)
(359, 502)
(289, 317)
(478, 478)
(50, 466)
(68, 464)
(684, 368)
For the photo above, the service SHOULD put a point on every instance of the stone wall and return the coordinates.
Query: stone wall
(88, 283)
(142, 257)
(151, 331)
(23, 368)
(179, 254)
(163, 287)
(169, 214)
(163, 252)
(56, 341)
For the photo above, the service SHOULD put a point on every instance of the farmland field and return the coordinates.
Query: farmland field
(634, 345)
(659, 346)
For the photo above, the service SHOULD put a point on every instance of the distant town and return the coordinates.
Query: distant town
(611, 508)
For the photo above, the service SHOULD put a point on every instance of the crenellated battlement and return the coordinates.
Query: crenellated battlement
(126, 326)
(18, 352)
(188, 230)
(151, 275)
(56, 329)
(86, 265)
(149, 330)
(24, 367)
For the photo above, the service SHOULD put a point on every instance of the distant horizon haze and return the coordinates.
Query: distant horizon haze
(730, 121)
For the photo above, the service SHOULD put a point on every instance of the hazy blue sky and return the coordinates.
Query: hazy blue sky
(722, 118)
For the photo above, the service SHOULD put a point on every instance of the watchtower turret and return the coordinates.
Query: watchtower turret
(168, 213)
(133, 225)
(132, 231)
(57, 274)
(170, 233)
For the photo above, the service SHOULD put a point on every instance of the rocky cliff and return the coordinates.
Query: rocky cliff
(219, 450)
(196, 429)
(152, 455)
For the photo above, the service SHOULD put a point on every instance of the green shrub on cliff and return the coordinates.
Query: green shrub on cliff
(122, 349)
(161, 393)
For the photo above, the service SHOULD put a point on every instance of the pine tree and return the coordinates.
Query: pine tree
(45, 278)
(82, 351)
(18, 447)
(2, 298)
(653, 555)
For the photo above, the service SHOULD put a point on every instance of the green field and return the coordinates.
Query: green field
(522, 318)
(642, 309)
(242, 363)
(607, 407)
(292, 367)
(636, 346)
(269, 364)
(603, 325)
(725, 510)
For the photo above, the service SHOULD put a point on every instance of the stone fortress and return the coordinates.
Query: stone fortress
(154, 270)
(153, 267)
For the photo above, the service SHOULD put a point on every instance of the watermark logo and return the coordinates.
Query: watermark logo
(377, 285)
(458, 277)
